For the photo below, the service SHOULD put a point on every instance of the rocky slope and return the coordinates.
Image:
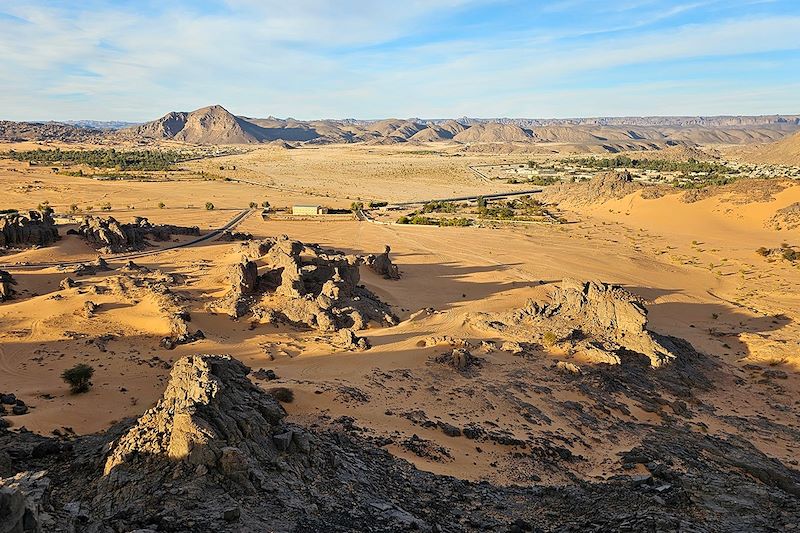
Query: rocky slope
(216, 454)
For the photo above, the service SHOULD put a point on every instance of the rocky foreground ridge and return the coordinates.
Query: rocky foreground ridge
(216, 454)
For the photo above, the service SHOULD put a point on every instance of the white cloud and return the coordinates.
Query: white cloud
(313, 58)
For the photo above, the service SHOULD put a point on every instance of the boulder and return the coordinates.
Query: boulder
(382, 264)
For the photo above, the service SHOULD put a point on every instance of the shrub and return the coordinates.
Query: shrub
(458, 221)
(105, 206)
(282, 394)
(265, 204)
(763, 252)
(253, 205)
(161, 205)
(356, 206)
(403, 220)
(78, 378)
(209, 206)
(549, 338)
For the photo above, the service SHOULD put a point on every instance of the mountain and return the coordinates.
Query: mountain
(208, 125)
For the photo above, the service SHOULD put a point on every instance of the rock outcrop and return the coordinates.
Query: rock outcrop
(243, 282)
(21, 500)
(20, 231)
(382, 264)
(610, 313)
(210, 414)
(604, 322)
(304, 285)
(110, 236)
(6, 286)
(216, 454)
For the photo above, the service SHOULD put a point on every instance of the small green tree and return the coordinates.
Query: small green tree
(79, 378)
(356, 206)
(209, 206)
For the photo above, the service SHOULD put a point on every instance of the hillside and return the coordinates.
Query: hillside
(783, 152)
(493, 132)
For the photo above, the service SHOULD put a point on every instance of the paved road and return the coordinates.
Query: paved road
(213, 234)
(467, 198)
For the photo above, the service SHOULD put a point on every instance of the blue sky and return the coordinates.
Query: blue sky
(137, 59)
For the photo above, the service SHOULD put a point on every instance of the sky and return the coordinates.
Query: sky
(135, 60)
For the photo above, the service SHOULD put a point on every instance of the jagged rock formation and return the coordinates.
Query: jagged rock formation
(110, 236)
(21, 500)
(611, 313)
(6, 286)
(243, 281)
(36, 229)
(603, 321)
(304, 285)
(382, 264)
(210, 415)
(143, 283)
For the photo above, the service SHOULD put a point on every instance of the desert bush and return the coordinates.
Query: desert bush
(356, 206)
(209, 206)
(763, 252)
(549, 338)
(78, 378)
(161, 205)
(282, 394)
(253, 205)
(458, 221)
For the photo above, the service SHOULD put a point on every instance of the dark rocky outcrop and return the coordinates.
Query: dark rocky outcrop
(6, 286)
(36, 229)
(111, 236)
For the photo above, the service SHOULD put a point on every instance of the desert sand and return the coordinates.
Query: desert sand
(693, 264)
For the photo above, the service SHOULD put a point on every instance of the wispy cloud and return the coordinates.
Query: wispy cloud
(313, 58)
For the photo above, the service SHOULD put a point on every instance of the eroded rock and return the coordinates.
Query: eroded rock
(111, 236)
(382, 264)
(6, 286)
(20, 231)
